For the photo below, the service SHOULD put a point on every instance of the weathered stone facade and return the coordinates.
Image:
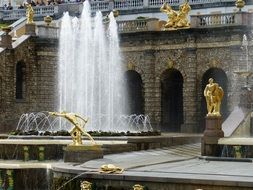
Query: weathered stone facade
(39, 79)
(191, 51)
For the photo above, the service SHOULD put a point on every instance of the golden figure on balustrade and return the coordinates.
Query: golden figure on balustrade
(29, 14)
(176, 19)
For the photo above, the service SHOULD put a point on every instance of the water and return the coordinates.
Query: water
(42, 121)
(90, 76)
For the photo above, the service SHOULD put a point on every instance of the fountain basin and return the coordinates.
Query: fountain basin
(15, 146)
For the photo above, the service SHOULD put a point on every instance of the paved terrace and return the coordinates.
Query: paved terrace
(171, 168)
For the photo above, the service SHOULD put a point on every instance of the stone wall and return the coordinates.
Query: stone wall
(191, 51)
(39, 80)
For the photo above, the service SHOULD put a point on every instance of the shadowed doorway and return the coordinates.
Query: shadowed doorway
(219, 77)
(135, 92)
(171, 100)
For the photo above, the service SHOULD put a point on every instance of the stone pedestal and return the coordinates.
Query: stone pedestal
(82, 153)
(213, 132)
(30, 29)
(6, 41)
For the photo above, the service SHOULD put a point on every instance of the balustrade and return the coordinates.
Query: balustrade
(159, 3)
(100, 5)
(203, 21)
(38, 11)
(132, 26)
(127, 4)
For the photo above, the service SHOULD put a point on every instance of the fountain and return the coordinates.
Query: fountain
(238, 143)
(90, 73)
(42, 123)
(245, 72)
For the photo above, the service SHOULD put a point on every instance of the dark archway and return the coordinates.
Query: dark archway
(20, 80)
(135, 92)
(219, 77)
(171, 100)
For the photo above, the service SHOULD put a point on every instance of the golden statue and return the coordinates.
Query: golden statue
(138, 187)
(77, 131)
(182, 17)
(85, 185)
(177, 20)
(213, 94)
(172, 15)
(29, 14)
(110, 168)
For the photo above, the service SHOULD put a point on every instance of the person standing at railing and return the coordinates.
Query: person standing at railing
(9, 7)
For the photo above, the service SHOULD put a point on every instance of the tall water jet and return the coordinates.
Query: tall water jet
(90, 77)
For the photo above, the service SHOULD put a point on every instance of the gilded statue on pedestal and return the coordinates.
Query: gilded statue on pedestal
(77, 131)
(29, 14)
(172, 15)
(213, 94)
(182, 17)
(177, 19)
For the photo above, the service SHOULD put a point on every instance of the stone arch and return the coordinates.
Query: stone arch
(135, 92)
(171, 100)
(20, 83)
(221, 78)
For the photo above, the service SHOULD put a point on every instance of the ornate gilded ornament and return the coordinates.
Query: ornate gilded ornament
(170, 63)
(29, 14)
(130, 66)
(110, 168)
(238, 151)
(240, 4)
(85, 185)
(177, 19)
(214, 63)
(138, 187)
(77, 131)
(213, 94)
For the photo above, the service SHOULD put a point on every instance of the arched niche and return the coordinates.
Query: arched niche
(219, 77)
(171, 100)
(20, 80)
(135, 92)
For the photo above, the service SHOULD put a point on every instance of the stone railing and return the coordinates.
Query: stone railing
(100, 5)
(158, 3)
(38, 12)
(128, 4)
(139, 4)
(217, 20)
(104, 6)
(138, 25)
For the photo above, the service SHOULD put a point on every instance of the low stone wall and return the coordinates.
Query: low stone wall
(126, 183)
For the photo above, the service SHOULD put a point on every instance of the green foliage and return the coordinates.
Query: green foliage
(141, 18)
(5, 24)
(92, 133)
